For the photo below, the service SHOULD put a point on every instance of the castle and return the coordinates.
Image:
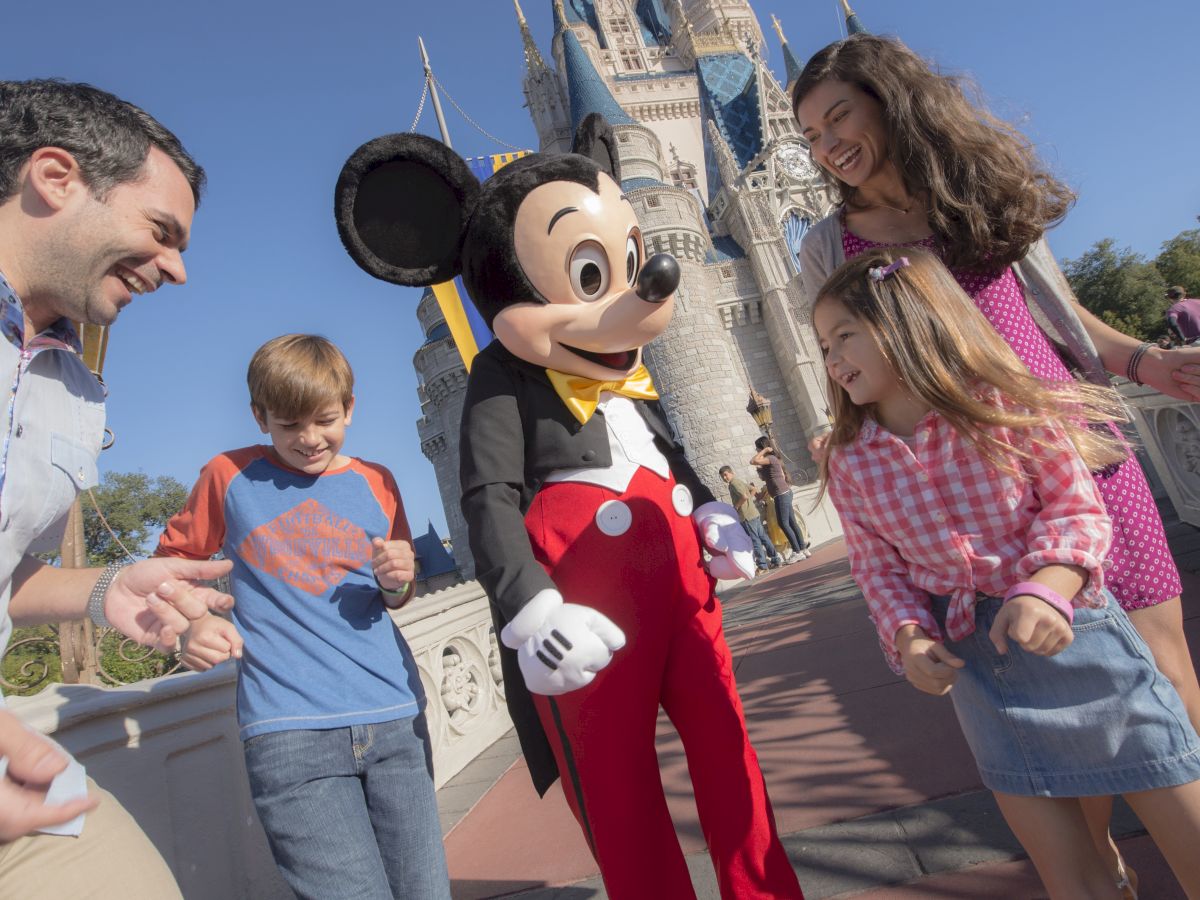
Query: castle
(715, 167)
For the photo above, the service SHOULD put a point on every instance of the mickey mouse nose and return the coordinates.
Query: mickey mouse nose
(658, 279)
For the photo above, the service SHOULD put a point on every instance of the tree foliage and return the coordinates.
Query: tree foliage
(1121, 287)
(1179, 261)
(135, 506)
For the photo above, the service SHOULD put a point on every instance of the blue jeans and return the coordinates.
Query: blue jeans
(787, 521)
(764, 551)
(351, 812)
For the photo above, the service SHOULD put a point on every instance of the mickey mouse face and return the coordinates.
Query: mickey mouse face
(582, 251)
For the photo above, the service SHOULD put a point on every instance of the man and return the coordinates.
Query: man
(770, 470)
(742, 498)
(96, 203)
(1183, 316)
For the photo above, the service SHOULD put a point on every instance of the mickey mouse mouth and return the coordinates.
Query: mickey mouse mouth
(621, 361)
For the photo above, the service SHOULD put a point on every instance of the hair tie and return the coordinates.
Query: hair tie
(878, 273)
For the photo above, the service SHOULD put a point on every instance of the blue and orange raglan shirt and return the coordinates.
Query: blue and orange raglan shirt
(320, 649)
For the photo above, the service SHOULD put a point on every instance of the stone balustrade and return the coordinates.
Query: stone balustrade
(1170, 434)
(168, 749)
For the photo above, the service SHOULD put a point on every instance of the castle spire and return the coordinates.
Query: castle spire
(586, 89)
(792, 66)
(853, 24)
(533, 58)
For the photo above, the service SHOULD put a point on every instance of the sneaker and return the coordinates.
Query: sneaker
(777, 562)
(805, 553)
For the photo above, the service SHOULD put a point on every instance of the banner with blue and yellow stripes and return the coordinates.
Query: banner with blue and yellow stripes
(467, 328)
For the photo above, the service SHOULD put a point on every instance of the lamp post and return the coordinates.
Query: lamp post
(759, 408)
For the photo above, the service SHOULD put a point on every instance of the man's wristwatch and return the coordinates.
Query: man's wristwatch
(95, 606)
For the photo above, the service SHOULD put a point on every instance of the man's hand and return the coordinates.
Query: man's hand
(210, 641)
(394, 563)
(1034, 624)
(153, 601)
(727, 541)
(32, 764)
(928, 665)
(818, 447)
(560, 646)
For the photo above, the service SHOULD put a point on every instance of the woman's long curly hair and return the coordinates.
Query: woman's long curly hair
(946, 354)
(989, 197)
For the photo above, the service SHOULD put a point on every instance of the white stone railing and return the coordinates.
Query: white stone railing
(169, 748)
(1170, 432)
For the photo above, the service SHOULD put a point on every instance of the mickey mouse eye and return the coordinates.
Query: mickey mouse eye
(633, 258)
(589, 271)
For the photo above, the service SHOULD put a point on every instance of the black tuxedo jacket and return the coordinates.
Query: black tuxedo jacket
(516, 431)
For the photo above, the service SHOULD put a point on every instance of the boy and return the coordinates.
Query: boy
(330, 703)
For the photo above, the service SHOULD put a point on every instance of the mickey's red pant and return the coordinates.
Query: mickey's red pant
(650, 580)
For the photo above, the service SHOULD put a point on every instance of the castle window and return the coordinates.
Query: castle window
(654, 202)
(683, 175)
(631, 61)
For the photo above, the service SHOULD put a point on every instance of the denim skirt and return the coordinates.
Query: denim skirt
(1096, 719)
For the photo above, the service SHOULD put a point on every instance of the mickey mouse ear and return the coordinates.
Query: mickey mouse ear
(594, 139)
(402, 205)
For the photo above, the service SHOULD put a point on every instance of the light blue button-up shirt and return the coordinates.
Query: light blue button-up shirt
(53, 428)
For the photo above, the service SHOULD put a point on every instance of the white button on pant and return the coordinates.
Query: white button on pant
(614, 518)
(681, 499)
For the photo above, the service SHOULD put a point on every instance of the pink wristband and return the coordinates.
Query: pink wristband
(1054, 598)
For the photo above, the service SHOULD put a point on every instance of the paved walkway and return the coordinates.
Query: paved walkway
(873, 787)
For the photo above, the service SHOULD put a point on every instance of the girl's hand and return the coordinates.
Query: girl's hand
(818, 447)
(1034, 624)
(928, 665)
(1175, 373)
(211, 641)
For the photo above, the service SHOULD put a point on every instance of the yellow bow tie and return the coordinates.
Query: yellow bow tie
(582, 394)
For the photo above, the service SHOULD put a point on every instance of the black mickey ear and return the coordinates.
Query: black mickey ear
(402, 205)
(594, 139)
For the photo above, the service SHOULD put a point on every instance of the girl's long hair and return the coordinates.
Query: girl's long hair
(989, 197)
(946, 353)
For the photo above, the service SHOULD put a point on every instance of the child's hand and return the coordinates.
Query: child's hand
(928, 665)
(394, 563)
(211, 640)
(1034, 624)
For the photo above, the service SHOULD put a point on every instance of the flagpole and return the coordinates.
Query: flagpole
(437, 103)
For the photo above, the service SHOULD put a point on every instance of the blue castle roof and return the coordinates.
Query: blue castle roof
(586, 89)
(724, 249)
(433, 557)
(729, 96)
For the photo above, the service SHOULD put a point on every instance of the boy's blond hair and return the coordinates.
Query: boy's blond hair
(295, 375)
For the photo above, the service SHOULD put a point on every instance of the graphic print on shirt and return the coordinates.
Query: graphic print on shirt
(309, 547)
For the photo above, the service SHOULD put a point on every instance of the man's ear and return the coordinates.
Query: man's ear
(53, 174)
(594, 139)
(402, 203)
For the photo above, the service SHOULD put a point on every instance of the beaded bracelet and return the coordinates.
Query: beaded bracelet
(1051, 596)
(1131, 369)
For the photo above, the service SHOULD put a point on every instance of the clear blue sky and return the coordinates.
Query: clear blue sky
(271, 97)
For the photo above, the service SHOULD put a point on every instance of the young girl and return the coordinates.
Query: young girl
(977, 536)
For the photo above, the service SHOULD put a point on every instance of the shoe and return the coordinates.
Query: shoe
(805, 553)
(777, 562)
(759, 571)
(1127, 880)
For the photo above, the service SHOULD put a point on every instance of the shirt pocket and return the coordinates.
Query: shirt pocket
(72, 469)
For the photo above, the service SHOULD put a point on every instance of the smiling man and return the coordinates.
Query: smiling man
(96, 203)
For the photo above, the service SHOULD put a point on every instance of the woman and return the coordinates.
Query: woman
(916, 163)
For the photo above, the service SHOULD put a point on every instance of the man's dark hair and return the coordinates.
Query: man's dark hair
(108, 137)
(1176, 292)
(761, 443)
(724, 469)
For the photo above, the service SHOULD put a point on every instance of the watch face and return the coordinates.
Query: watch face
(795, 161)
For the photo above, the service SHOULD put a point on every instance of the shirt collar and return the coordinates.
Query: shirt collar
(61, 334)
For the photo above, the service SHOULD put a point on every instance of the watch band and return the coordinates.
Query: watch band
(95, 605)
(1051, 596)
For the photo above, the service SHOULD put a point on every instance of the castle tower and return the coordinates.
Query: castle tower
(442, 389)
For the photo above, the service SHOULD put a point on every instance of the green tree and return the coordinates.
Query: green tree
(1179, 261)
(1120, 287)
(135, 506)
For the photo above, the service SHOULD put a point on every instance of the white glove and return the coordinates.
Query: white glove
(724, 537)
(560, 646)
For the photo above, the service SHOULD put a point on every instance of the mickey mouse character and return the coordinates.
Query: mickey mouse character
(584, 517)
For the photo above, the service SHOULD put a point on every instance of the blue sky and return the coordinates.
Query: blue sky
(271, 97)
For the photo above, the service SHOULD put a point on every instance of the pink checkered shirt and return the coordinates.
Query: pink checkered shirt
(937, 518)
